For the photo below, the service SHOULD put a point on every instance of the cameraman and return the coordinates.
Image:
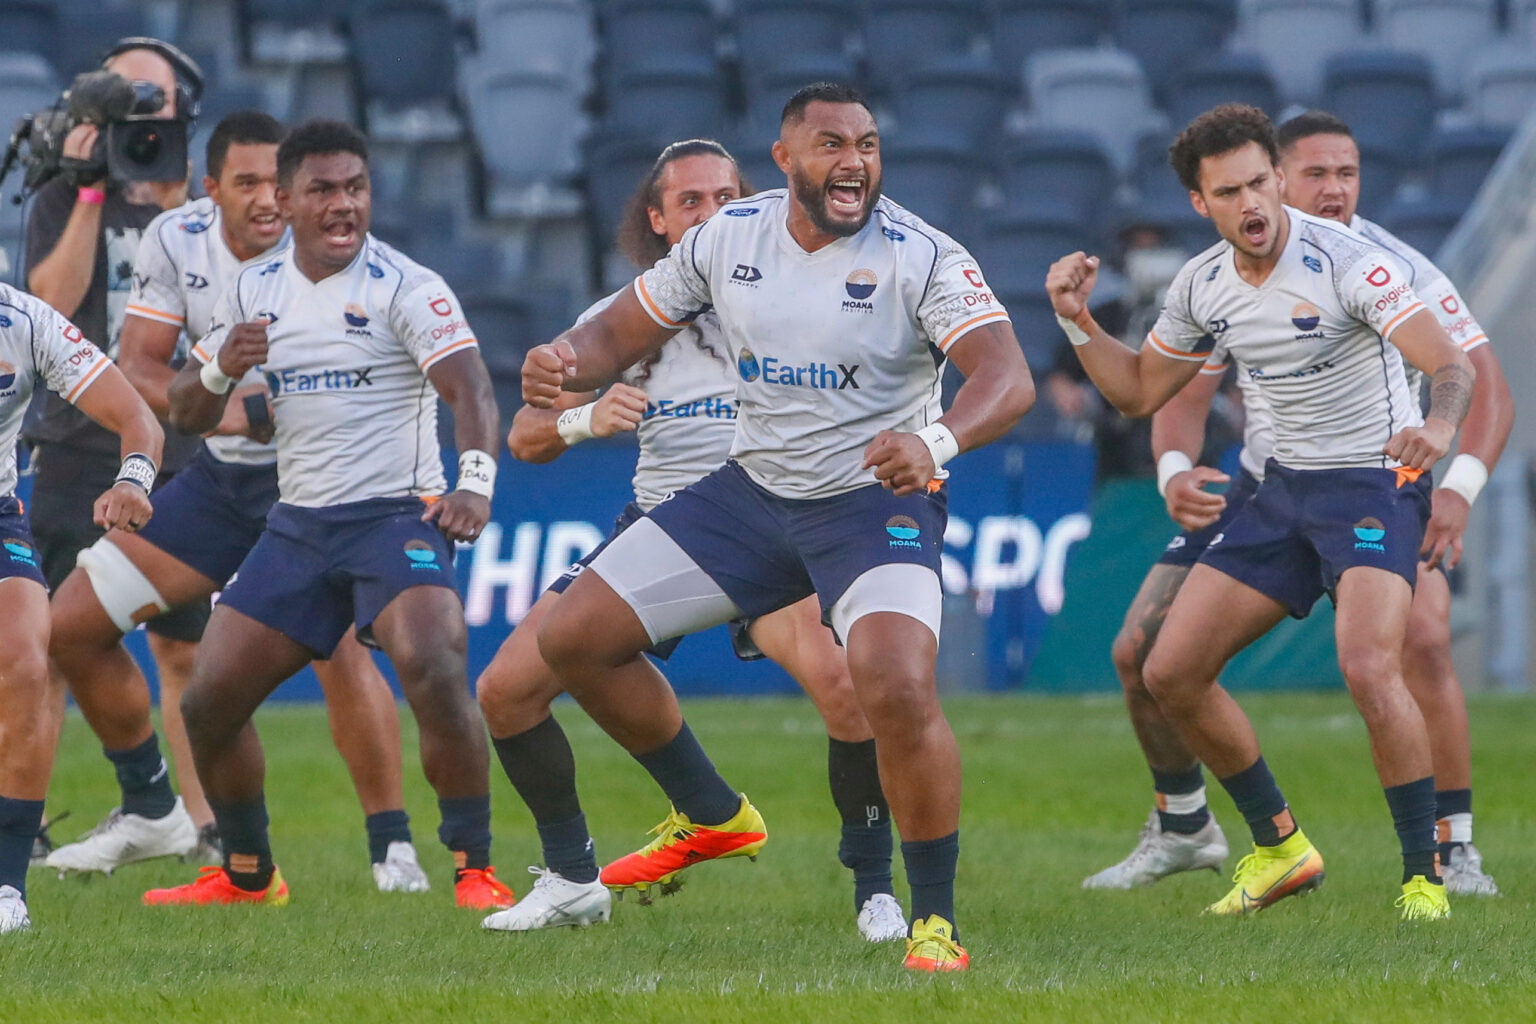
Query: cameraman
(82, 239)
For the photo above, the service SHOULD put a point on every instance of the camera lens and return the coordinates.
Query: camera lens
(143, 144)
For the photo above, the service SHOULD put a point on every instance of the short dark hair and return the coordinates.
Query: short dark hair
(822, 92)
(1304, 126)
(636, 241)
(317, 137)
(242, 128)
(1220, 130)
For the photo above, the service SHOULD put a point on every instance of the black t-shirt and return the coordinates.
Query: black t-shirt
(100, 316)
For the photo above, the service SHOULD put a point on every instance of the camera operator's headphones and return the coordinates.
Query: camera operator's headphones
(189, 77)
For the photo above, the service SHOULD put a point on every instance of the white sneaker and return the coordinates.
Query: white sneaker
(881, 919)
(399, 871)
(125, 838)
(1464, 875)
(1159, 854)
(553, 902)
(13, 910)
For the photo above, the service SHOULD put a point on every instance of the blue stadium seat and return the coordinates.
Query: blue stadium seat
(1034, 324)
(902, 34)
(1016, 251)
(292, 31)
(1460, 159)
(1448, 32)
(1045, 168)
(31, 26)
(1502, 87)
(1020, 28)
(1423, 223)
(468, 266)
(1295, 37)
(1387, 99)
(1166, 35)
(960, 100)
(753, 150)
(647, 33)
(931, 178)
(527, 127)
(537, 35)
(1522, 21)
(91, 28)
(615, 163)
(27, 85)
(767, 89)
(1224, 77)
(1099, 90)
(402, 52)
(1381, 171)
(769, 30)
(677, 102)
(1161, 201)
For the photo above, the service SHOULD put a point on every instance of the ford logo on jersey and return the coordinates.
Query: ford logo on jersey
(742, 212)
(746, 365)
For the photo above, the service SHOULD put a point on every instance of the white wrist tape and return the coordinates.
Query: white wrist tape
(575, 425)
(1075, 334)
(1466, 477)
(941, 443)
(477, 473)
(1169, 466)
(138, 468)
(215, 379)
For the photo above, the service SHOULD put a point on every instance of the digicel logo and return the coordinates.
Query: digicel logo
(448, 330)
(441, 306)
(1397, 292)
(1378, 277)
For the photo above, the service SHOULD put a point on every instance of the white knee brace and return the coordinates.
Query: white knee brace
(124, 591)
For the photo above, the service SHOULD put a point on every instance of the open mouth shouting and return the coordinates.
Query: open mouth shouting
(845, 196)
(1255, 231)
(341, 233)
(1333, 209)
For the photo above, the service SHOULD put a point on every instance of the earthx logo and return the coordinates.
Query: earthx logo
(287, 382)
(817, 375)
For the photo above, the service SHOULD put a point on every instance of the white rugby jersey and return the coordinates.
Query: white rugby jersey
(37, 343)
(347, 357)
(1432, 286)
(183, 266)
(690, 409)
(830, 347)
(1313, 339)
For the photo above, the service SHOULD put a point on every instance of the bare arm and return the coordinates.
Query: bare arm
(1179, 426)
(536, 435)
(1135, 383)
(145, 350)
(593, 353)
(111, 401)
(998, 389)
(1483, 435)
(194, 409)
(1424, 343)
(463, 383)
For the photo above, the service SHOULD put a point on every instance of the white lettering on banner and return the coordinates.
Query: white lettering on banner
(1009, 553)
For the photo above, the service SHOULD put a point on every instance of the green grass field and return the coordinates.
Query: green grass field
(1054, 790)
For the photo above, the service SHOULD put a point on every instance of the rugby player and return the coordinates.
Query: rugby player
(357, 343)
(1320, 163)
(1307, 309)
(839, 308)
(208, 518)
(681, 402)
(36, 343)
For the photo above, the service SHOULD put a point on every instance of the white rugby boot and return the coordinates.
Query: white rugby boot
(1463, 873)
(125, 838)
(13, 910)
(554, 902)
(881, 919)
(1159, 854)
(400, 871)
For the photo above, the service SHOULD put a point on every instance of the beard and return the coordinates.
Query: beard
(813, 199)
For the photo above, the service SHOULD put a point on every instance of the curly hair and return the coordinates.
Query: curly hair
(640, 243)
(1220, 130)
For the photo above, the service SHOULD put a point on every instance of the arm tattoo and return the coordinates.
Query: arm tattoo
(1450, 394)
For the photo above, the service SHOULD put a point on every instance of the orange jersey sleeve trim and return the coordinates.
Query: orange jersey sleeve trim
(438, 356)
(1473, 342)
(651, 308)
(97, 369)
(1173, 353)
(157, 315)
(1405, 314)
(201, 353)
(970, 325)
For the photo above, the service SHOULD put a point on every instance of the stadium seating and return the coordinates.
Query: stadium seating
(1046, 168)
(404, 65)
(527, 126)
(930, 177)
(27, 85)
(1381, 172)
(650, 33)
(1016, 251)
(768, 88)
(1387, 99)
(553, 36)
(1217, 78)
(960, 100)
(1099, 90)
(1423, 223)
(1460, 159)
(1502, 84)
(1295, 37)
(30, 26)
(615, 162)
(1448, 32)
(682, 100)
(292, 31)
(768, 30)
(1020, 28)
(1166, 35)
(900, 35)
(92, 27)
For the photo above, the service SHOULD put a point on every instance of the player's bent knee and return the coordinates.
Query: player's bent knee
(1126, 654)
(1368, 668)
(24, 676)
(125, 593)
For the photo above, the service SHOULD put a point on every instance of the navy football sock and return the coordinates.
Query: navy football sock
(1261, 804)
(1181, 804)
(20, 821)
(568, 849)
(1413, 815)
(247, 846)
(1453, 819)
(144, 778)
(542, 769)
(466, 830)
(384, 828)
(688, 777)
(931, 874)
(866, 843)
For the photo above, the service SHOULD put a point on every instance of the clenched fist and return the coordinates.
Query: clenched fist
(1069, 283)
(545, 369)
